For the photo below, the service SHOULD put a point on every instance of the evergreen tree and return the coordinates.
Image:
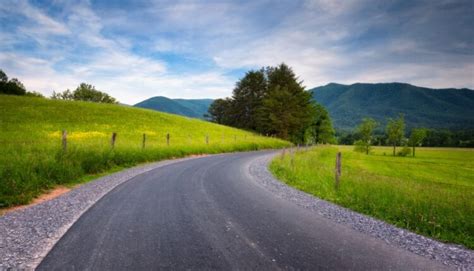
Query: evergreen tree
(247, 98)
(287, 108)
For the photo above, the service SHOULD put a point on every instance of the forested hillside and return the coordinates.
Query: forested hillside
(422, 107)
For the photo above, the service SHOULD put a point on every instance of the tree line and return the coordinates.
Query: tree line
(84, 92)
(394, 134)
(272, 101)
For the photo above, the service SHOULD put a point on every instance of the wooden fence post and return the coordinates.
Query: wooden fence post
(167, 139)
(283, 153)
(114, 137)
(144, 141)
(338, 168)
(207, 139)
(64, 140)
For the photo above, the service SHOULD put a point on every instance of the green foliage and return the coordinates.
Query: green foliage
(362, 146)
(320, 129)
(431, 195)
(12, 86)
(31, 159)
(194, 108)
(423, 107)
(416, 138)
(395, 131)
(365, 131)
(247, 99)
(270, 101)
(220, 111)
(85, 92)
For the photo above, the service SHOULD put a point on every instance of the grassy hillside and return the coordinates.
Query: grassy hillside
(195, 108)
(431, 194)
(32, 160)
(423, 107)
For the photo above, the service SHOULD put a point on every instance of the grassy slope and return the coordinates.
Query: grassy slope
(31, 159)
(431, 194)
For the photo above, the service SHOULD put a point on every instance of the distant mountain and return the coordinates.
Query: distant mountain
(422, 107)
(194, 108)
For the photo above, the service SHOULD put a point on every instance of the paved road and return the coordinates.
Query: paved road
(207, 213)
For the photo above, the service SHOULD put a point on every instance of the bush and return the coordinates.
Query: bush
(361, 146)
(405, 151)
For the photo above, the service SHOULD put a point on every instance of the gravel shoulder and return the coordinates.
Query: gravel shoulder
(28, 234)
(450, 255)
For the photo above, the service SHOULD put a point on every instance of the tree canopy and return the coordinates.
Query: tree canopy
(270, 101)
(85, 92)
(14, 86)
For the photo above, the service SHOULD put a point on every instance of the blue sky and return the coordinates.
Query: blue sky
(199, 49)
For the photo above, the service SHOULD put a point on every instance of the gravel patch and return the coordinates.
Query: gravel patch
(449, 254)
(28, 234)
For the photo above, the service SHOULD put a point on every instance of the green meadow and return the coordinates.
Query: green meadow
(431, 194)
(32, 159)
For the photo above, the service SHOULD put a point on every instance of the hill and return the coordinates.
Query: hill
(423, 107)
(32, 158)
(194, 108)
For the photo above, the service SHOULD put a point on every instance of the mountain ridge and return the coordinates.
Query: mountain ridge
(423, 107)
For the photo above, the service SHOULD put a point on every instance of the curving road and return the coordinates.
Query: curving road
(208, 213)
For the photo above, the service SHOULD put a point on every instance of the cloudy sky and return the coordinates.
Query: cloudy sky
(198, 49)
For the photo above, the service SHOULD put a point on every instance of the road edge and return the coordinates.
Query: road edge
(28, 234)
(450, 255)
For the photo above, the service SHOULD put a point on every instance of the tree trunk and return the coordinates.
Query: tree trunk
(413, 150)
(394, 147)
(367, 150)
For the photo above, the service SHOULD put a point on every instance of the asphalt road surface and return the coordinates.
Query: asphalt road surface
(207, 213)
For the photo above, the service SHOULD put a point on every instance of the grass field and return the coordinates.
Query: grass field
(32, 160)
(431, 194)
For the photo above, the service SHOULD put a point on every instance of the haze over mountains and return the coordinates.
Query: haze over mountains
(348, 104)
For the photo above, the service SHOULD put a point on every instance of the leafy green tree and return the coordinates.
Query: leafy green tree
(65, 95)
(365, 131)
(287, 108)
(416, 138)
(395, 130)
(3, 77)
(219, 111)
(12, 86)
(321, 129)
(85, 92)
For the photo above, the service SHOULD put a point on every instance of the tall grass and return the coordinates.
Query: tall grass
(32, 159)
(431, 194)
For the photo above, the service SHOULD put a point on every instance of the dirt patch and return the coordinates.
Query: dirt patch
(54, 193)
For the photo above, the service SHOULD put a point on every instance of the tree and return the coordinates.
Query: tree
(247, 98)
(416, 138)
(269, 101)
(321, 129)
(365, 131)
(395, 131)
(12, 86)
(286, 108)
(3, 77)
(218, 111)
(85, 92)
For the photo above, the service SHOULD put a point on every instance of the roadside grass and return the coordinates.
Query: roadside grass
(431, 194)
(32, 160)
